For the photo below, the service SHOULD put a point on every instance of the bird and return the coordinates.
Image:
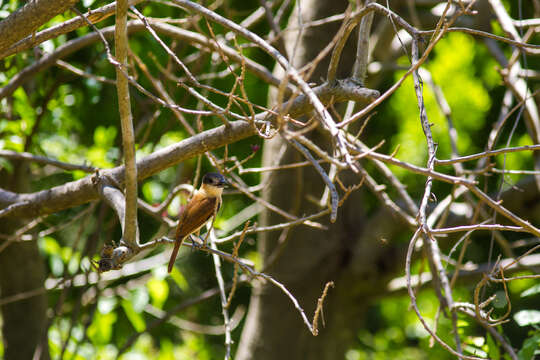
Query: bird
(204, 205)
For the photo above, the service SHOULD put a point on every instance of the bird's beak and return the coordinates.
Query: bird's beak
(224, 183)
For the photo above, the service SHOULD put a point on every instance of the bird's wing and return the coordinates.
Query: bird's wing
(198, 211)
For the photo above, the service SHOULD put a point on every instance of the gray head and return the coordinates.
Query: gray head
(215, 179)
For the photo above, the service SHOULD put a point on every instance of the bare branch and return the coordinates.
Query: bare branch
(94, 16)
(29, 18)
(489, 227)
(126, 121)
(8, 154)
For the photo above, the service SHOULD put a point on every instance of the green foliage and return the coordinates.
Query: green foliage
(15, 130)
(50, 247)
(531, 346)
(102, 154)
(153, 191)
(132, 311)
(516, 161)
(393, 330)
(453, 70)
(179, 279)
(533, 290)
(100, 331)
(158, 289)
(527, 317)
(23, 107)
(493, 348)
(194, 347)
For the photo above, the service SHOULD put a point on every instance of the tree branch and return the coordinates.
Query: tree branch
(27, 19)
(8, 154)
(94, 16)
(130, 232)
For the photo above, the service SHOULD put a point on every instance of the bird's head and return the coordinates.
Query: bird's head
(214, 179)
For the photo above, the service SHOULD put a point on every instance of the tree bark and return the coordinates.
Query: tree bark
(349, 253)
(29, 18)
(22, 270)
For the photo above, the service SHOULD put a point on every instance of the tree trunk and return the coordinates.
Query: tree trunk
(21, 270)
(348, 253)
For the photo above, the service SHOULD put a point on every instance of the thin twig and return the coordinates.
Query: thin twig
(8, 154)
(488, 153)
(333, 192)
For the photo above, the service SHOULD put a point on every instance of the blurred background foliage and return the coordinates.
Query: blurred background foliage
(75, 120)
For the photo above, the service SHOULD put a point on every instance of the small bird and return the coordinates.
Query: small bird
(204, 205)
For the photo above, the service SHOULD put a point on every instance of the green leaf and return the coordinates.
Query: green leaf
(54, 349)
(153, 191)
(255, 257)
(104, 136)
(166, 350)
(66, 253)
(57, 265)
(533, 290)
(493, 348)
(98, 158)
(158, 290)
(179, 279)
(527, 317)
(134, 317)
(5, 164)
(49, 245)
(139, 299)
(106, 304)
(78, 174)
(100, 331)
(530, 345)
(73, 264)
(24, 109)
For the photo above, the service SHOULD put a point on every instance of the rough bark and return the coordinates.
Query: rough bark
(29, 18)
(348, 253)
(21, 270)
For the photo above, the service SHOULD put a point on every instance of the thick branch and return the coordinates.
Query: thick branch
(94, 16)
(27, 19)
(341, 90)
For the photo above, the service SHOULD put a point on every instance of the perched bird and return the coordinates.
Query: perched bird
(202, 207)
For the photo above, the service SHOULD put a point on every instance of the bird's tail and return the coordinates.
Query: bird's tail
(177, 245)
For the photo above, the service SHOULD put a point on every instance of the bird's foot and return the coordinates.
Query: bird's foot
(197, 242)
